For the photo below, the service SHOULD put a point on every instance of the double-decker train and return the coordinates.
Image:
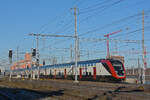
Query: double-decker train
(98, 70)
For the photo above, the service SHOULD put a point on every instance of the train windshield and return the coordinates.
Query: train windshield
(118, 66)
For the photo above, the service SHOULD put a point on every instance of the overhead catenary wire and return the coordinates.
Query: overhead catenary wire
(60, 42)
(63, 15)
(78, 2)
(135, 4)
(113, 23)
(100, 11)
(140, 29)
(94, 7)
(117, 2)
(67, 24)
(132, 16)
(65, 27)
(100, 8)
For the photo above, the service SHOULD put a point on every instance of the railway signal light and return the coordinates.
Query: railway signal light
(37, 61)
(10, 53)
(43, 62)
(34, 53)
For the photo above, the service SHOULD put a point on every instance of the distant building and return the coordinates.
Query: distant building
(26, 63)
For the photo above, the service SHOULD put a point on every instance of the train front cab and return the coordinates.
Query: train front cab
(117, 69)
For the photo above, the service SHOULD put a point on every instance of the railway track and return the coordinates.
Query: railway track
(66, 90)
(21, 94)
(6, 96)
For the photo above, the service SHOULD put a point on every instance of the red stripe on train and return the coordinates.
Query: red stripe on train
(94, 73)
(65, 73)
(80, 73)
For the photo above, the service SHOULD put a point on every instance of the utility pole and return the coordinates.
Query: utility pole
(17, 55)
(139, 71)
(76, 45)
(52, 35)
(37, 57)
(10, 60)
(71, 53)
(31, 64)
(143, 50)
(78, 49)
(133, 70)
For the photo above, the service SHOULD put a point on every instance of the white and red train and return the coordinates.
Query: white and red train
(98, 69)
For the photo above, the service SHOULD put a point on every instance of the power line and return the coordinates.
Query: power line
(140, 29)
(107, 25)
(53, 20)
(84, 10)
(65, 27)
(113, 23)
(101, 10)
(64, 15)
(70, 22)
(137, 3)
(78, 2)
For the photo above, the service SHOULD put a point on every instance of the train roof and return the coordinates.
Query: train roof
(82, 63)
(72, 63)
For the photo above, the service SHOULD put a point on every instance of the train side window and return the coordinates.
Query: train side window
(50, 72)
(85, 65)
(86, 73)
(90, 73)
(91, 64)
(59, 73)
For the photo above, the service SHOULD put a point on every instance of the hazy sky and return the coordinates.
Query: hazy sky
(95, 18)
